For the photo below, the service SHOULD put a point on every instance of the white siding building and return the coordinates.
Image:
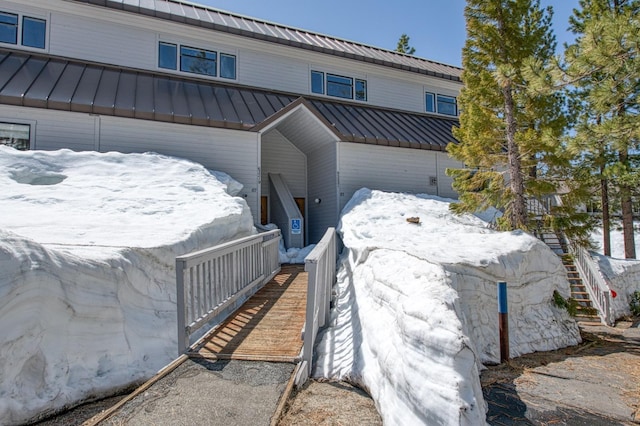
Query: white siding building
(237, 94)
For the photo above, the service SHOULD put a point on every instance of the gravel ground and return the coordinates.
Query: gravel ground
(595, 383)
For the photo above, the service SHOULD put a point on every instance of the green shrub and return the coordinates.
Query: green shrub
(634, 303)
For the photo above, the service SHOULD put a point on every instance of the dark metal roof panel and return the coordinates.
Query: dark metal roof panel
(198, 113)
(49, 82)
(181, 112)
(105, 98)
(211, 106)
(362, 123)
(62, 93)
(13, 92)
(38, 93)
(145, 97)
(85, 92)
(125, 101)
(9, 67)
(203, 16)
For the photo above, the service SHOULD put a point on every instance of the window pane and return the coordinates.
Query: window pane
(8, 28)
(340, 87)
(33, 32)
(15, 135)
(430, 102)
(447, 105)
(198, 61)
(227, 66)
(361, 90)
(168, 56)
(317, 82)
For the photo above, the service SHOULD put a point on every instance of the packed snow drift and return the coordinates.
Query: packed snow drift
(416, 310)
(87, 268)
(620, 274)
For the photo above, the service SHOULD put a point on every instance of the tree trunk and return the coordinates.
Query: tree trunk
(627, 214)
(606, 220)
(518, 203)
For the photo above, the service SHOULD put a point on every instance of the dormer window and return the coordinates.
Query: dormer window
(338, 86)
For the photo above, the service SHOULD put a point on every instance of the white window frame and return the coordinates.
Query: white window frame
(21, 15)
(195, 45)
(354, 79)
(435, 94)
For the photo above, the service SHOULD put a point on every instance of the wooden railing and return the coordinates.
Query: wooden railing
(594, 282)
(212, 283)
(321, 267)
(588, 269)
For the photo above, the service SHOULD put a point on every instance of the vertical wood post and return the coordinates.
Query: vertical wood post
(503, 320)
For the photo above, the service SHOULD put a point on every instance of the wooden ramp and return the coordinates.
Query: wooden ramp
(268, 327)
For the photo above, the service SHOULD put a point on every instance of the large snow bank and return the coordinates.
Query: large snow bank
(87, 280)
(622, 275)
(416, 309)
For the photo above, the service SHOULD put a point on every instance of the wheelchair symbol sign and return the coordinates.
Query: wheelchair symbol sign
(296, 226)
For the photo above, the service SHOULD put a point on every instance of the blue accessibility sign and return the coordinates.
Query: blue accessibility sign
(296, 226)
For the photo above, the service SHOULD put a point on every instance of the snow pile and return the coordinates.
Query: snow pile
(87, 280)
(416, 309)
(622, 275)
(617, 241)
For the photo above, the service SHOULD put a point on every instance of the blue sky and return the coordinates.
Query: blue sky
(436, 27)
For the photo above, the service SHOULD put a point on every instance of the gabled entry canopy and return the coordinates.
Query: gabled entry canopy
(43, 81)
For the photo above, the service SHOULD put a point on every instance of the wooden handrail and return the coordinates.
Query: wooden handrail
(211, 283)
(321, 267)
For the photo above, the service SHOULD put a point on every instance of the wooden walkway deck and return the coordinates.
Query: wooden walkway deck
(267, 327)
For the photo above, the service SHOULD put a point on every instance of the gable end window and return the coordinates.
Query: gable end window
(196, 61)
(441, 104)
(32, 31)
(338, 86)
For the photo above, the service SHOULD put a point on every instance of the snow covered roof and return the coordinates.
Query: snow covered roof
(43, 81)
(219, 20)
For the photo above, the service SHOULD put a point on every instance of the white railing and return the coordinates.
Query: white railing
(588, 270)
(321, 267)
(594, 282)
(213, 282)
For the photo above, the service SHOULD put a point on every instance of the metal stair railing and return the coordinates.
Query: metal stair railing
(587, 268)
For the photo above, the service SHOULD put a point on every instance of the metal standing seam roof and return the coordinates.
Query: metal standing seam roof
(41, 81)
(219, 20)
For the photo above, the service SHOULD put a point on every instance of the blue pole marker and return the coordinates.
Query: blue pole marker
(503, 321)
(502, 297)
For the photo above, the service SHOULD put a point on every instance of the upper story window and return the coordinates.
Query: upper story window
(15, 135)
(338, 86)
(441, 104)
(28, 31)
(196, 60)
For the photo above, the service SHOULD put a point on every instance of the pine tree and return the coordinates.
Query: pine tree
(403, 45)
(508, 136)
(603, 67)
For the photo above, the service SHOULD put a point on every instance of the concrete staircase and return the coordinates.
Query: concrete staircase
(585, 311)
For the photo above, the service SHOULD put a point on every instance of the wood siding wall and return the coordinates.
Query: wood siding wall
(391, 169)
(322, 171)
(281, 156)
